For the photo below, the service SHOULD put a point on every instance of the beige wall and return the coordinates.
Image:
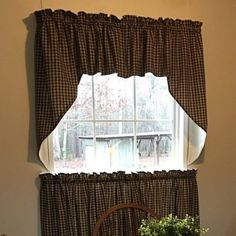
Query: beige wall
(19, 210)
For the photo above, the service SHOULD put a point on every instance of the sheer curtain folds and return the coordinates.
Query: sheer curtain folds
(68, 45)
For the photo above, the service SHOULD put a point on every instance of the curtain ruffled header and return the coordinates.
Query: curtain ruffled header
(68, 45)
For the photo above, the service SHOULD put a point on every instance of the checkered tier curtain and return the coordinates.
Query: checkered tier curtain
(71, 204)
(68, 45)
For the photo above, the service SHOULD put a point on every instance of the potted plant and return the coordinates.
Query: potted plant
(171, 226)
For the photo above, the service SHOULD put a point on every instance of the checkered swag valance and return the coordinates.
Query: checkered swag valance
(68, 45)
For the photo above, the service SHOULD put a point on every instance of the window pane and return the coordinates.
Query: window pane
(72, 141)
(82, 107)
(153, 98)
(155, 143)
(155, 126)
(114, 146)
(113, 97)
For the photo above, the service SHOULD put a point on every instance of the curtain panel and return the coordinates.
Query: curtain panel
(68, 45)
(70, 204)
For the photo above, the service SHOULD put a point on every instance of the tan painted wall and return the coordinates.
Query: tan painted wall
(19, 210)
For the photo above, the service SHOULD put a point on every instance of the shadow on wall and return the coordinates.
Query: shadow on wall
(30, 23)
(32, 156)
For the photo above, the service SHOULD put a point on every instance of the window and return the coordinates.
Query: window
(60, 57)
(117, 124)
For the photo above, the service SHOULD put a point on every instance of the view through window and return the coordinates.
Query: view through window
(118, 124)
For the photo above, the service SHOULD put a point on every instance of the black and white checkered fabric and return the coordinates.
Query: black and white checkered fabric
(68, 45)
(70, 204)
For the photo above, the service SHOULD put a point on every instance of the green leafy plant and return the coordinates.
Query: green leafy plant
(171, 226)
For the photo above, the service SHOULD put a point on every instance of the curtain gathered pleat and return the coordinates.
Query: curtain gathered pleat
(68, 45)
(70, 204)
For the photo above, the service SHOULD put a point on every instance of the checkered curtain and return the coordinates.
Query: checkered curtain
(71, 204)
(68, 45)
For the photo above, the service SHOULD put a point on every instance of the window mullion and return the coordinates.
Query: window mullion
(94, 119)
(135, 122)
(177, 142)
(113, 120)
